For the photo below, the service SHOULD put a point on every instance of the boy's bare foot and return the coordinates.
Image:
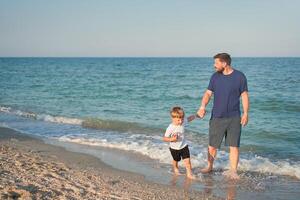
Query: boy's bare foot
(206, 170)
(233, 175)
(191, 176)
(177, 172)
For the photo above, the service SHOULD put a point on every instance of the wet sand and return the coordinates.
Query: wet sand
(31, 169)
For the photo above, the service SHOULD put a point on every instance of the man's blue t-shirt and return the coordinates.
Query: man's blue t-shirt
(227, 90)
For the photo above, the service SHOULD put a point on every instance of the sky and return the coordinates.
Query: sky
(149, 28)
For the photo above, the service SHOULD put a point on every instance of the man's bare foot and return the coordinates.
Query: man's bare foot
(233, 175)
(206, 170)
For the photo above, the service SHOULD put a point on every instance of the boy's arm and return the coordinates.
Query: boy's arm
(167, 135)
(170, 139)
(192, 117)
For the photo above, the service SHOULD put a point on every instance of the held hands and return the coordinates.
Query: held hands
(244, 119)
(192, 117)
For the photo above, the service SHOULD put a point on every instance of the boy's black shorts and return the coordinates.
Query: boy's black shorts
(181, 153)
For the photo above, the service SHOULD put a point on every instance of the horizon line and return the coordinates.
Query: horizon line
(145, 56)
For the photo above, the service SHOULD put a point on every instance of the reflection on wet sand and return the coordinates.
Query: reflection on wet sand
(211, 188)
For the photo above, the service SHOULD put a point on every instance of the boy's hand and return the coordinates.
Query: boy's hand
(174, 138)
(191, 118)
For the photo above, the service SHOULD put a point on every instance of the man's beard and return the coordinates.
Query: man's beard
(220, 70)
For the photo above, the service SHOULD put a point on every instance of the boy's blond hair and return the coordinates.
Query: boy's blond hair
(177, 112)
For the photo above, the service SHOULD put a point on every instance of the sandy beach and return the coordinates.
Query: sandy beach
(31, 169)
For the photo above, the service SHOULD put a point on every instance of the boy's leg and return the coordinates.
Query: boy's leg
(175, 167)
(176, 158)
(185, 153)
(188, 166)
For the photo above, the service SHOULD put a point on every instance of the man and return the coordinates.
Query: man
(227, 85)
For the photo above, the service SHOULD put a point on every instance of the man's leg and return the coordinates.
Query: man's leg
(233, 141)
(211, 154)
(234, 158)
(217, 130)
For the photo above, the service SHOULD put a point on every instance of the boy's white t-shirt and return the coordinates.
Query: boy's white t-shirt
(179, 130)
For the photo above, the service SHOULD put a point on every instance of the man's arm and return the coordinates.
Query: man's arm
(245, 103)
(205, 100)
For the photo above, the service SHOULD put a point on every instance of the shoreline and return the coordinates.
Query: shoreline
(32, 169)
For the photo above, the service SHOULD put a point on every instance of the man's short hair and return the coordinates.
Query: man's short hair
(224, 57)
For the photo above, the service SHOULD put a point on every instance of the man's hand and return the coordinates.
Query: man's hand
(201, 112)
(244, 119)
(245, 103)
(206, 97)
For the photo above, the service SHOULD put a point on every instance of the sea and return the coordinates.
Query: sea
(124, 103)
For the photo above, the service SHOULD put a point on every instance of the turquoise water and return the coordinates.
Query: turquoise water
(124, 103)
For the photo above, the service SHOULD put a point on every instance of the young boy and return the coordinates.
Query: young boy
(178, 145)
